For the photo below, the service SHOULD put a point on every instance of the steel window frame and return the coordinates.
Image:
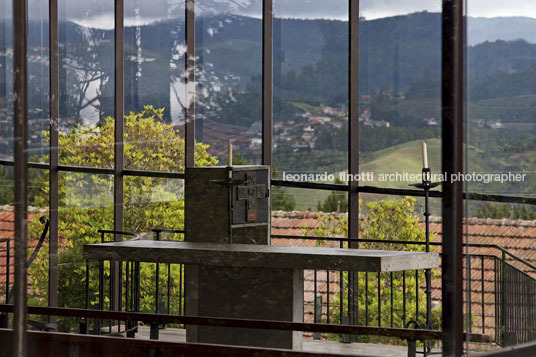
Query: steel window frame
(452, 134)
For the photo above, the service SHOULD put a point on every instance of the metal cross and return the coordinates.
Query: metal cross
(250, 192)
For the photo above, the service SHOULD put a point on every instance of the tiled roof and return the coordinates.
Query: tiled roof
(7, 231)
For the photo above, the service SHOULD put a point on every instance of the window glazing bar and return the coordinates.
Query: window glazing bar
(452, 109)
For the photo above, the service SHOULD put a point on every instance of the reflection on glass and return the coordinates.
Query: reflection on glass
(38, 213)
(228, 74)
(38, 66)
(152, 203)
(86, 45)
(85, 206)
(6, 80)
(310, 89)
(154, 73)
(399, 78)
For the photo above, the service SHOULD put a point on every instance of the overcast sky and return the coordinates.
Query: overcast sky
(101, 11)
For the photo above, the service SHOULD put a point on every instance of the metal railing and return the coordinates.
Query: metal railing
(501, 298)
(511, 308)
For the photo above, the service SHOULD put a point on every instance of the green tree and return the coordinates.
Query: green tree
(337, 201)
(497, 211)
(86, 201)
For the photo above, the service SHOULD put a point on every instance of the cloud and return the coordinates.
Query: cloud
(334, 9)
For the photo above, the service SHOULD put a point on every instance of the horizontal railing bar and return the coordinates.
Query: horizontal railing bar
(411, 334)
(230, 322)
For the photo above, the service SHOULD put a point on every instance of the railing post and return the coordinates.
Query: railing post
(412, 348)
(154, 332)
(83, 326)
(318, 315)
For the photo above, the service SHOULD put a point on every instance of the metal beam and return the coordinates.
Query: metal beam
(189, 114)
(267, 75)
(452, 163)
(21, 172)
(54, 155)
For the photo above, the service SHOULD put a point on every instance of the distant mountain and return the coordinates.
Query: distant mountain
(500, 28)
(400, 54)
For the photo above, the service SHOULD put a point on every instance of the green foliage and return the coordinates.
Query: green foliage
(86, 201)
(240, 160)
(387, 220)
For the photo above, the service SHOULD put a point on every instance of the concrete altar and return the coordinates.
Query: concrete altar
(277, 272)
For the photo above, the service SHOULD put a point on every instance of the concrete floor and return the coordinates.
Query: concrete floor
(318, 346)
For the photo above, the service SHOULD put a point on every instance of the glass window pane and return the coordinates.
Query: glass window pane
(38, 211)
(38, 64)
(152, 203)
(228, 104)
(86, 205)
(400, 90)
(154, 76)
(6, 80)
(310, 87)
(86, 49)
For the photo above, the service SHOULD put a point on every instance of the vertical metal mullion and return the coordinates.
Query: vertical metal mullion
(119, 137)
(452, 163)
(189, 114)
(54, 156)
(21, 172)
(267, 88)
(353, 152)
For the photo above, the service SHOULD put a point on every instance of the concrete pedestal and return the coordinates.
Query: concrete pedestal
(223, 208)
(252, 293)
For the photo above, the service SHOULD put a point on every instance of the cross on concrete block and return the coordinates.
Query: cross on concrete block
(251, 192)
